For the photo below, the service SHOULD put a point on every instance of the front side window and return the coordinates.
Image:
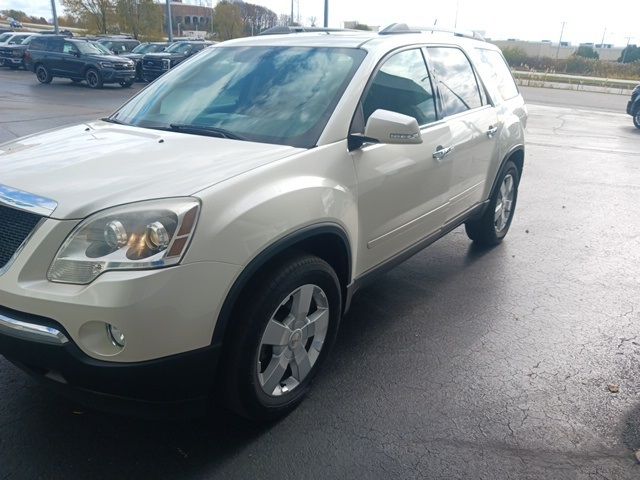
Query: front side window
(281, 95)
(494, 70)
(456, 80)
(179, 47)
(69, 48)
(402, 85)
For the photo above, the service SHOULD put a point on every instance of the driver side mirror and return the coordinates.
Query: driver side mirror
(76, 53)
(384, 126)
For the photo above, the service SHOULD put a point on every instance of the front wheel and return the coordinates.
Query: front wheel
(93, 78)
(43, 74)
(494, 224)
(636, 120)
(280, 339)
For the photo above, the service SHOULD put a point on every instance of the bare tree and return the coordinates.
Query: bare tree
(98, 12)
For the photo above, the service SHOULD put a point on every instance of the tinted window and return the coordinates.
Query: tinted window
(456, 80)
(496, 74)
(402, 85)
(281, 95)
(69, 48)
(4, 37)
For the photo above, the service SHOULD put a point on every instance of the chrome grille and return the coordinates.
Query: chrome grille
(15, 227)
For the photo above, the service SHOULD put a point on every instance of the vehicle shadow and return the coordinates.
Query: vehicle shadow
(631, 433)
(97, 445)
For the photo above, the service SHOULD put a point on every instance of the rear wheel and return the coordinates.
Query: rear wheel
(279, 341)
(636, 120)
(43, 74)
(93, 78)
(494, 224)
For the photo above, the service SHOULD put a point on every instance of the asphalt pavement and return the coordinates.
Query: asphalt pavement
(459, 364)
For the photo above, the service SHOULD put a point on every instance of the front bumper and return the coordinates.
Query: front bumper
(150, 74)
(6, 61)
(116, 76)
(633, 106)
(150, 387)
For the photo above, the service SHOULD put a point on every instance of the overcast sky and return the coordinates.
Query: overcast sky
(500, 19)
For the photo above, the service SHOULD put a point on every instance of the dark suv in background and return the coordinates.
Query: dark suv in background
(155, 64)
(12, 56)
(140, 51)
(119, 45)
(56, 56)
(633, 107)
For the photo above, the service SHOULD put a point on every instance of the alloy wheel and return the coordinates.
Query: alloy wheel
(504, 204)
(292, 340)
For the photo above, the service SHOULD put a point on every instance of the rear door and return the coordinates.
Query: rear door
(473, 123)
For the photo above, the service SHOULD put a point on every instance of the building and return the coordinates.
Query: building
(185, 17)
(547, 48)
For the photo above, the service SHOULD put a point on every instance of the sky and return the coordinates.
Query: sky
(499, 19)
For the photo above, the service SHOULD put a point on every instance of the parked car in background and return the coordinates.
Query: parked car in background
(54, 56)
(141, 50)
(8, 39)
(633, 106)
(207, 237)
(12, 56)
(13, 23)
(155, 64)
(119, 45)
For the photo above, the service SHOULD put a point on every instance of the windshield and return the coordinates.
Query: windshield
(104, 50)
(89, 48)
(147, 48)
(27, 40)
(178, 47)
(4, 37)
(282, 95)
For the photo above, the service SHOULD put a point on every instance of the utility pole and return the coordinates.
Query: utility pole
(326, 13)
(169, 21)
(624, 54)
(56, 28)
(560, 41)
(603, 35)
(455, 24)
(291, 19)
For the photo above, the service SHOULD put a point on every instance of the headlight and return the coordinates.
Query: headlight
(137, 236)
(106, 64)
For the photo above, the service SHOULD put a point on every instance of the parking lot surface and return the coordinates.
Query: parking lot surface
(460, 363)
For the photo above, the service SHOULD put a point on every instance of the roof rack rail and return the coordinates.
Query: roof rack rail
(395, 28)
(284, 29)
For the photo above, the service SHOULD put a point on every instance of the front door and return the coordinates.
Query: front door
(402, 189)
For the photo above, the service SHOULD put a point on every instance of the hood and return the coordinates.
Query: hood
(132, 56)
(105, 58)
(164, 55)
(93, 166)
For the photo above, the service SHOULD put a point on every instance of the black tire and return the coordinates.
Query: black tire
(485, 231)
(126, 84)
(43, 74)
(243, 392)
(636, 120)
(93, 78)
(139, 76)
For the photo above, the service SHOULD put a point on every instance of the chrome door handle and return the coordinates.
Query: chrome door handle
(492, 131)
(442, 152)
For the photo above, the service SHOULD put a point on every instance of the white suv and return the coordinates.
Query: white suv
(205, 240)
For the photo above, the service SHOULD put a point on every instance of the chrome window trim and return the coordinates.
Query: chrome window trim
(31, 331)
(29, 202)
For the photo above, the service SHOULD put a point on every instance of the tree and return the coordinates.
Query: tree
(630, 54)
(256, 18)
(227, 21)
(587, 51)
(140, 18)
(362, 26)
(515, 56)
(98, 13)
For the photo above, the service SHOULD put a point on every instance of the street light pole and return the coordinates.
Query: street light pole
(560, 41)
(326, 13)
(56, 28)
(169, 21)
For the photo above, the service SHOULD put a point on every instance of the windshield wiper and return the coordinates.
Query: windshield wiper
(205, 130)
(113, 120)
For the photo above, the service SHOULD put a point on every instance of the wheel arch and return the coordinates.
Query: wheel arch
(328, 241)
(516, 155)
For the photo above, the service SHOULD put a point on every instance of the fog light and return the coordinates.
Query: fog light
(115, 336)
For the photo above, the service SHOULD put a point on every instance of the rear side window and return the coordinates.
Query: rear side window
(496, 74)
(456, 80)
(402, 85)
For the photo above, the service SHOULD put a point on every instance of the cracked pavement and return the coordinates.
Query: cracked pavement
(460, 363)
